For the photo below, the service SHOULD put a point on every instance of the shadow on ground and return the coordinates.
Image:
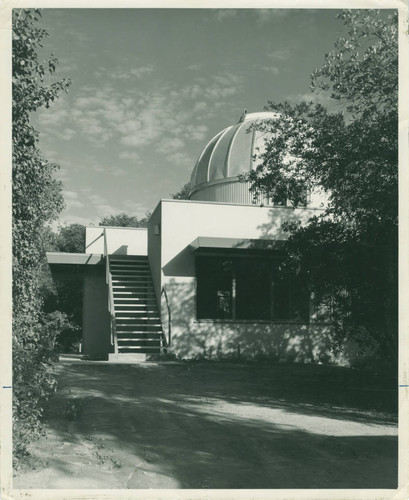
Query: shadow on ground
(227, 425)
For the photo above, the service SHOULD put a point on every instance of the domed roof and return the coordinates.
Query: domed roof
(231, 152)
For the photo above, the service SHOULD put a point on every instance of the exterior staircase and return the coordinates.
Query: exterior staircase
(137, 320)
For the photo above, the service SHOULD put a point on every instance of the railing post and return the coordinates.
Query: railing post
(111, 306)
(169, 339)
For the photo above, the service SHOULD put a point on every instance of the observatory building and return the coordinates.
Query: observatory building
(206, 278)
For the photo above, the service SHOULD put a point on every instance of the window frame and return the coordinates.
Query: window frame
(235, 256)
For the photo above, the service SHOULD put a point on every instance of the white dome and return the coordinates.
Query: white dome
(229, 154)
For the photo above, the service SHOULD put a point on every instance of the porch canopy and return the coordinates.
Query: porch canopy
(205, 244)
(71, 264)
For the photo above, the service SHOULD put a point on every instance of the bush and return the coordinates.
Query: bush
(33, 378)
(37, 201)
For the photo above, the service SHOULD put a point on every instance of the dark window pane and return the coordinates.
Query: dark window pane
(252, 289)
(299, 299)
(214, 288)
(290, 296)
(281, 294)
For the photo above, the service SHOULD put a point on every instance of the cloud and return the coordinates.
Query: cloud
(68, 134)
(200, 106)
(66, 65)
(170, 144)
(54, 115)
(264, 16)
(134, 207)
(71, 200)
(67, 219)
(197, 133)
(194, 67)
(70, 195)
(129, 155)
(118, 172)
(322, 98)
(225, 14)
(279, 54)
(224, 85)
(163, 119)
(271, 69)
(70, 204)
(122, 73)
(93, 127)
(96, 199)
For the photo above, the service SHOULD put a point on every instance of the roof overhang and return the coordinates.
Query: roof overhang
(75, 259)
(205, 244)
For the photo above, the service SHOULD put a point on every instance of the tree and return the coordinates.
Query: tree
(124, 220)
(37, 200)
(349, 252)
(71, 239)
(183, 193)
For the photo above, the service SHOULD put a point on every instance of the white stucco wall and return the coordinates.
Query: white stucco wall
(181, 223)
(120, 240)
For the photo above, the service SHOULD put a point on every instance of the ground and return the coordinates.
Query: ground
(216, 425)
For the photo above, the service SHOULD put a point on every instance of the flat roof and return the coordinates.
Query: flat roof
(83, 259)
(214, 243)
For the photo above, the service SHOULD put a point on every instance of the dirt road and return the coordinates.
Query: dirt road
(216, 425)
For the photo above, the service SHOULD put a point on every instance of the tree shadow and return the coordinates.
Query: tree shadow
(221, 339)
(226, 425)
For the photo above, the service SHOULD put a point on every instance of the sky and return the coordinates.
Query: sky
(151, 87)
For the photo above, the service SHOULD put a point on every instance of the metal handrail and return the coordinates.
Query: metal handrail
(169, 339)
(111, 306)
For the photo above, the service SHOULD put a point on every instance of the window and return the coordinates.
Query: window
(214, 290)
(252, 289)
(239, 288)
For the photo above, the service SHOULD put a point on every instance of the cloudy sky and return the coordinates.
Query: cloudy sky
(150, 88)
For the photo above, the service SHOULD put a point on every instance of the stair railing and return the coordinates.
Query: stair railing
(168, 340)
(111, 307)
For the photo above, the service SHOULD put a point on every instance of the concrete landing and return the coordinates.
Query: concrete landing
(127, 357)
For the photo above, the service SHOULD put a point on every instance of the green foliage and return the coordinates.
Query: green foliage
(183, 193)
(65, 296)
(124, 220)
(33, 379)
(37, 200)
(350, 251)
(70, 239)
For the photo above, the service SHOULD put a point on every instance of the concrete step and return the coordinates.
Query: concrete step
(139, 323)
(139, 330)
(118, 257)
(138, 343)
(129, 267)
(135, 319)
(127, 357)
(131, 272)
(137, 284)
(142, 349)
(140, 336)
(126, 325)
(139, 306)
(137, 313)
(132, 292)
(131, 279)
(152, 312)
(133, 301)
(127, 263)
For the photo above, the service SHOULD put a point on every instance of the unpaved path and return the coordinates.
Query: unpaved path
(216, 425)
